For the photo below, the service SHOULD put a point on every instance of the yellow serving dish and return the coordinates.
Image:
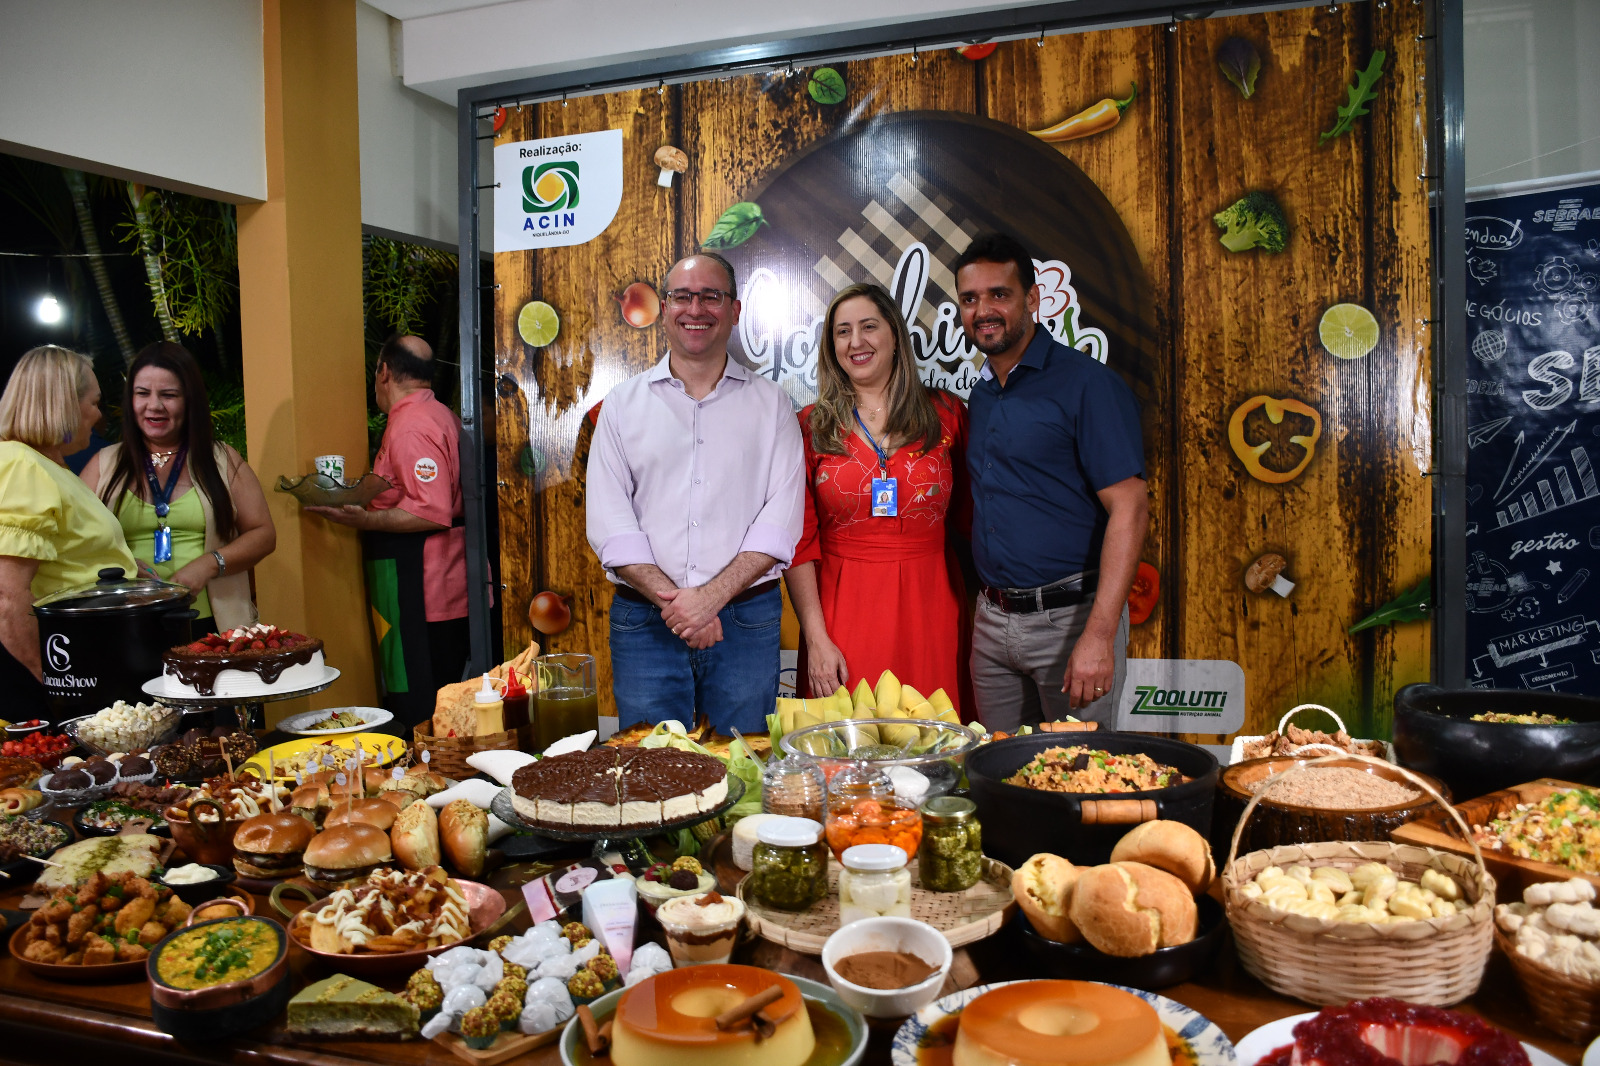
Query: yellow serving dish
(291, 756)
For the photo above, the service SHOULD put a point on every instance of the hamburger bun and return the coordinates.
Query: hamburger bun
(415, 836)
(343, 856)
(1043, 887)
(1130, 909)
(398, 798)
(373, 778)
(464, 834)
(1169, 846)
(310, 801)
(271, 845)
(373, 812)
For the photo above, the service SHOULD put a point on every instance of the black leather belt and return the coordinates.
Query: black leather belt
(628, 592)
(1029, 601)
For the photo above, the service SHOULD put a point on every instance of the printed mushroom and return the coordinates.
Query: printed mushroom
(1266, 573)
(671, 161)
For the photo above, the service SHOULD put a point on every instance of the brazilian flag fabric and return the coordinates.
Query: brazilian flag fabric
(383, 601)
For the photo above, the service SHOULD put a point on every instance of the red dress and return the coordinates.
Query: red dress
(891, 588)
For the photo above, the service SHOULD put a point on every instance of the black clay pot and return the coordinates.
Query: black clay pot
(100, 643)
(1162, 968)
(1083, 828)
(1434, 733)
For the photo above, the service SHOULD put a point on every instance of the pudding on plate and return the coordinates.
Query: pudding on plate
(670, 1020)
(1048, 1023)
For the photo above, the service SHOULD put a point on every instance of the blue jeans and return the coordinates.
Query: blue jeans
(656, 676)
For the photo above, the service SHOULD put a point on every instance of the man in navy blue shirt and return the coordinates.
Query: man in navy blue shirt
(1056, 459)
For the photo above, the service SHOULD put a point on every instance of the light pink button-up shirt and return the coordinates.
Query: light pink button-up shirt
(688, 484)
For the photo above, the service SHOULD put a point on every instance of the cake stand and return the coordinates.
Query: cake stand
(622, 839)
(246, 707)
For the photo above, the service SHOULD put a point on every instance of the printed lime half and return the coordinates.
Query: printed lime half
(538, 323)
(1348, 331)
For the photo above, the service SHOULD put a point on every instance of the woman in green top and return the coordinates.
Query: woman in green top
(54, 534)
(208, 539)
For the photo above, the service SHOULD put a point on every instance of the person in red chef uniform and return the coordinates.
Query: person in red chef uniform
(413, 535)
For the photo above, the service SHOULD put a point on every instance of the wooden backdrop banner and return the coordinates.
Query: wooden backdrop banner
(1229, 212)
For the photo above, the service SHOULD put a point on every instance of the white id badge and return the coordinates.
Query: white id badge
(885, 497)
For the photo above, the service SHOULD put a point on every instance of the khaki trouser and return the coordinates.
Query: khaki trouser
(1020, 660)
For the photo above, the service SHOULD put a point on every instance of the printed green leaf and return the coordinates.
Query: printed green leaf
(827, 86)
(1413, 605)
(1361, 95)
(737, 225)
(1240, 63)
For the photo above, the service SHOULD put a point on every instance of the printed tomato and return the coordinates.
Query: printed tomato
(1143, 595)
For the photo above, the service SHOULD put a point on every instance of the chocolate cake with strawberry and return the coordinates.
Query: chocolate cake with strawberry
(246, 661)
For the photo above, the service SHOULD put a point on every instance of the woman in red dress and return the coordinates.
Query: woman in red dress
(875, 580)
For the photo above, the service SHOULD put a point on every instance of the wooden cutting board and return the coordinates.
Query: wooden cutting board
(1436, 829)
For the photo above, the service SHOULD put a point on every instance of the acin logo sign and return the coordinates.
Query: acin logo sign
(549, 187)
(556, 191)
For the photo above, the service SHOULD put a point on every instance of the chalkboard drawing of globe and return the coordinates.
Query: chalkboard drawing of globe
(1489, 346)
(895, 201)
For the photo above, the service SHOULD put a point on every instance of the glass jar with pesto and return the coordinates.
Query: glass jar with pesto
(789, 870)
(950, 857)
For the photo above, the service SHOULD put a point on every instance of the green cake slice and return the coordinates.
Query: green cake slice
(344, 1006)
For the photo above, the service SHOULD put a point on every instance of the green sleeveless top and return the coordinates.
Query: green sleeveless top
(188, 521)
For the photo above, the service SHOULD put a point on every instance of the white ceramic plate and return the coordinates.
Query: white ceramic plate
(1592, 1056)
(170, 688)
(1211, 1046)
(1263, 1041)
(300, 724)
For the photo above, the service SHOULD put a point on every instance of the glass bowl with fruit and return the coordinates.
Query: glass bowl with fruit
(910, 750)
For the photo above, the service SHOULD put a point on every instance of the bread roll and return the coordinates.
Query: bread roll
(415, 836)
(1130, 909)
(1169, 846)
(373, 779)
(454, 714)
(1043, 886)
(464, 833)
(399, 797)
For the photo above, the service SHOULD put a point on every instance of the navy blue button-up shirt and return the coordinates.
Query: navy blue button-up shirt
(1064, 427)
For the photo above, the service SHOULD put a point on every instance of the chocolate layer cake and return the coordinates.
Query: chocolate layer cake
(243, 661)
(622, 787)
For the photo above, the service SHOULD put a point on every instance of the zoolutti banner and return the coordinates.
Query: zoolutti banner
(1182, 696)
(556, 191)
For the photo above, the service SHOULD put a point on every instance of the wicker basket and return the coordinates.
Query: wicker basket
(1436, 961)
(1567, 1006)
(448, 755)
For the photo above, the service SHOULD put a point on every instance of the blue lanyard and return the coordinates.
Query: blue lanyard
(883, 456)
(162, 497)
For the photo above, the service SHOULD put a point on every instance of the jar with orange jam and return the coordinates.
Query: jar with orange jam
(862, 810)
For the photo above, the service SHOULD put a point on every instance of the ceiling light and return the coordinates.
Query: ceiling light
(48, 310)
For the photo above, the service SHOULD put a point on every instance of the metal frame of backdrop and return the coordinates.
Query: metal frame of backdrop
(1447, 198)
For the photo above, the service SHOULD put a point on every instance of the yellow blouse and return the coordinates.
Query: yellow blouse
(47, 514)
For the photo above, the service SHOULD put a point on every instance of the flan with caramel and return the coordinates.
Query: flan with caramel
(1047, 1023)
(670, 1020)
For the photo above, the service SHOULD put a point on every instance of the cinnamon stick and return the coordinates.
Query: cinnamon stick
(734, 1015)
(599, 1042)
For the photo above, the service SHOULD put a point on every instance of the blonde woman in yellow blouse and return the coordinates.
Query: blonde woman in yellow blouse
(54, 533)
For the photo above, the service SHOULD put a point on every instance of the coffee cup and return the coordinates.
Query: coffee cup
(331, 466)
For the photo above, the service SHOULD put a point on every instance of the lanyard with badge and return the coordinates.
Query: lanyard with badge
(885, 489)
(162, 499)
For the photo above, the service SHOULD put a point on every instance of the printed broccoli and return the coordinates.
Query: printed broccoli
(1254, 222)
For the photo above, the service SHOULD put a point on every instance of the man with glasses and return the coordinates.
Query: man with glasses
(694, 506)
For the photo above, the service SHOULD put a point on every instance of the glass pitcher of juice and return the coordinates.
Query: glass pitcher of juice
(564, 697)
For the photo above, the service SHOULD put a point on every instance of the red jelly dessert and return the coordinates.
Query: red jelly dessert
(1387, 1032)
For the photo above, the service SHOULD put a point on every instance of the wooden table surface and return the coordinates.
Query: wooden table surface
(44, 1021)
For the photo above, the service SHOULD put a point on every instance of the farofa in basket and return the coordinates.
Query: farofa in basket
(1084, 769)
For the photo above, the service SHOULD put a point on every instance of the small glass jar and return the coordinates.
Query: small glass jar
(862, 810)
(874, 883)
(856, 782)
(789, 870)
(793, 786)
(950, 857)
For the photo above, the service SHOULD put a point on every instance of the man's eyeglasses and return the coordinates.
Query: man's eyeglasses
(710, 299)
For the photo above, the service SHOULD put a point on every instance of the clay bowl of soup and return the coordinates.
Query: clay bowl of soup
(219, 978)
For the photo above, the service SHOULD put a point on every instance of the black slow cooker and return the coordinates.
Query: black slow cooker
(100, 643)
(1082, 827)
